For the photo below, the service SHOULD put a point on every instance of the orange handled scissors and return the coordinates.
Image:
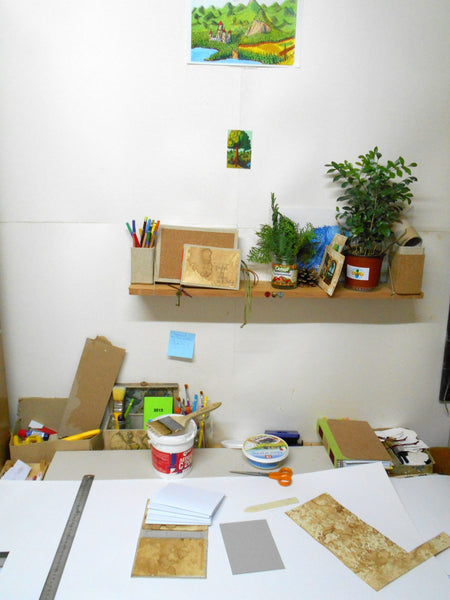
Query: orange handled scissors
(283, 476)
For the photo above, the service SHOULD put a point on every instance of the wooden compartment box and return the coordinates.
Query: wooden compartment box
(133, 436)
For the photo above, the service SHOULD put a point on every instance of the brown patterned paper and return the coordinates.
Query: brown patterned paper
(368, 553)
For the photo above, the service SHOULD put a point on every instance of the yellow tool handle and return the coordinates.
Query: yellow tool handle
(82, 436)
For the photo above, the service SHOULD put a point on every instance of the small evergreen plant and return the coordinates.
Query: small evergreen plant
(284, 239)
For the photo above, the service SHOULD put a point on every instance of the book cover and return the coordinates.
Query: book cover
(351, 442)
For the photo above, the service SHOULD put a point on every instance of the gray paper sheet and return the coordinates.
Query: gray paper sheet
(250, 547)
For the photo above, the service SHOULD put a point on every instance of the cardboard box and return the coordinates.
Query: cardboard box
(407, 270)
(133, 436)
(401, 470)
(82, 411)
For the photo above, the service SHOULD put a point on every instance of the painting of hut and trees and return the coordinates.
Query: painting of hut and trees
(240, 32)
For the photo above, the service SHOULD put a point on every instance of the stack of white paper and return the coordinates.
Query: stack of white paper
(179, 504)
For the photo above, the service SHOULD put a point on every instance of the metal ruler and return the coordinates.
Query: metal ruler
(57, 568)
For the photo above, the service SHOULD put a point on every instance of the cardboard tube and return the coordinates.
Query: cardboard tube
(405, 234)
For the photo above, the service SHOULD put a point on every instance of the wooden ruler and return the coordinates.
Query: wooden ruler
(59, 562)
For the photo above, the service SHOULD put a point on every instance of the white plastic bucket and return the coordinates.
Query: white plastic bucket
(172, 454)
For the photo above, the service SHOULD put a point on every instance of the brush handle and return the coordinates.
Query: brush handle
(201, 411)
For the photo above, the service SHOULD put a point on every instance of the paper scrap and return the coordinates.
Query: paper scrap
(250, 547)
(181, 344)
(18, 472)
(269, 505)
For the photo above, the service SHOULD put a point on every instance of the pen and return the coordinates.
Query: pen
(143, 231)
(133, 235)
(149, 232)
(129, 229)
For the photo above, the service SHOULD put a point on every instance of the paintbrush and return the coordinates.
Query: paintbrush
(118, 398)
(174, 423)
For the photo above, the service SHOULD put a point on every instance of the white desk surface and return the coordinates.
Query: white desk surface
(33, 514)
(137, 464)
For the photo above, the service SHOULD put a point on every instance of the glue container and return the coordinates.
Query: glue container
(265, 451)
(172, 454)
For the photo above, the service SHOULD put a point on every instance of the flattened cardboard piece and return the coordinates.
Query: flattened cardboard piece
(97, 372)
(171, 551)
(376, 559)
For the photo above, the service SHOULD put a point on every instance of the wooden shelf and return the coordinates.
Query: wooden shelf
(264, 288)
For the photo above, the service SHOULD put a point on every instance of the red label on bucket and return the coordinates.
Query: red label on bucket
(166, 462)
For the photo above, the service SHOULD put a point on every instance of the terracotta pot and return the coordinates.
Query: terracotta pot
(362, 272)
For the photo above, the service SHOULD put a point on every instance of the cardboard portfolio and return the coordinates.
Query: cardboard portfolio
(352, 442)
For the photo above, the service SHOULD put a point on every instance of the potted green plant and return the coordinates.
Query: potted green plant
(283, 244)
(374, 196)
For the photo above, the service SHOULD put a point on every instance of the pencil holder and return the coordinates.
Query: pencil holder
(142, 265)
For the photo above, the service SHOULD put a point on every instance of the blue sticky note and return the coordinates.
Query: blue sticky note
(181, 344)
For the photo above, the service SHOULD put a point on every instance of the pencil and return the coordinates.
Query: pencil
(154, 232)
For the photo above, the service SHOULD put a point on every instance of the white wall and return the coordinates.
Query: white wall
(103, 121)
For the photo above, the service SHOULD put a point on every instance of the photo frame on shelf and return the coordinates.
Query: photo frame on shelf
(330, 270)
(207, 266)
(338, 242)
(170, 243)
